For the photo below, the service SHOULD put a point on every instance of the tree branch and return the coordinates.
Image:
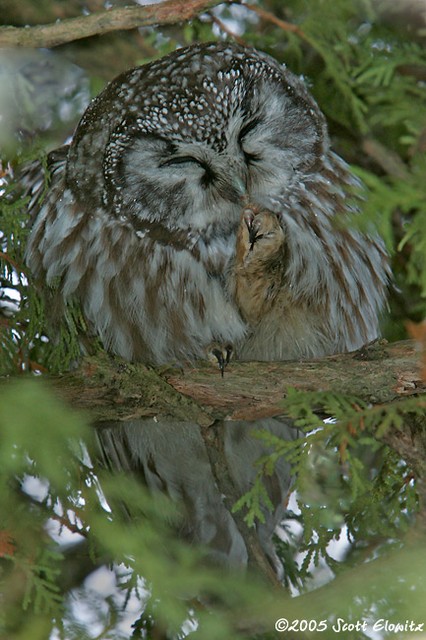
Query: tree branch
(111, 389)
(52, 35)
(385, 158)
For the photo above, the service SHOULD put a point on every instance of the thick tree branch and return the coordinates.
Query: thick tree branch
(113, 390)
(52, 35)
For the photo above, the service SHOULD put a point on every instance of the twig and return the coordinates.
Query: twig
(65, 522)
(222, 26)
(387, 159)
(52, 35)
(6, 258)
(269, 17)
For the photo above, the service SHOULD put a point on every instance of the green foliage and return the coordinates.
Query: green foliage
(40, 439)
(27, 414)
(344, 475)
(32, 338)
(396, 204)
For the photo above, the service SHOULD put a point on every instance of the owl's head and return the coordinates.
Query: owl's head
(183, 140)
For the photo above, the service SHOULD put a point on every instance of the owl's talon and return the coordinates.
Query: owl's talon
(253, 226)
(249, 215)
(222, 354)
(261, 224)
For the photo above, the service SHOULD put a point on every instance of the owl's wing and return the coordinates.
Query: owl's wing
(304, 278)
(35, 177)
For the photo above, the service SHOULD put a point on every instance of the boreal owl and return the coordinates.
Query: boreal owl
(199, 203)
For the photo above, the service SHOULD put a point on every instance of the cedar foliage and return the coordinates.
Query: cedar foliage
(368, 78)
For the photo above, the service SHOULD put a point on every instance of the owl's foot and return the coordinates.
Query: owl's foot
(260, 235)
(220, 354)
(259, 264)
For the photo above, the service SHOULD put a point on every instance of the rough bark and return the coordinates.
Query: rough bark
(110, 389)
(71, 29)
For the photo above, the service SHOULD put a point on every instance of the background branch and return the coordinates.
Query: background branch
(52, 35)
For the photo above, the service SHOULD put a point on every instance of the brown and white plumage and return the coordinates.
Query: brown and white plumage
(141, 220)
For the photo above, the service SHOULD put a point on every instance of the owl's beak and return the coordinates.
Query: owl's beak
(240, 186)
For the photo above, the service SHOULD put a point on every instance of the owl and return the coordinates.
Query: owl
(198, 204)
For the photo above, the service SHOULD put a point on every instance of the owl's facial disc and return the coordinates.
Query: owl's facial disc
(188, 158)
(182, 184)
